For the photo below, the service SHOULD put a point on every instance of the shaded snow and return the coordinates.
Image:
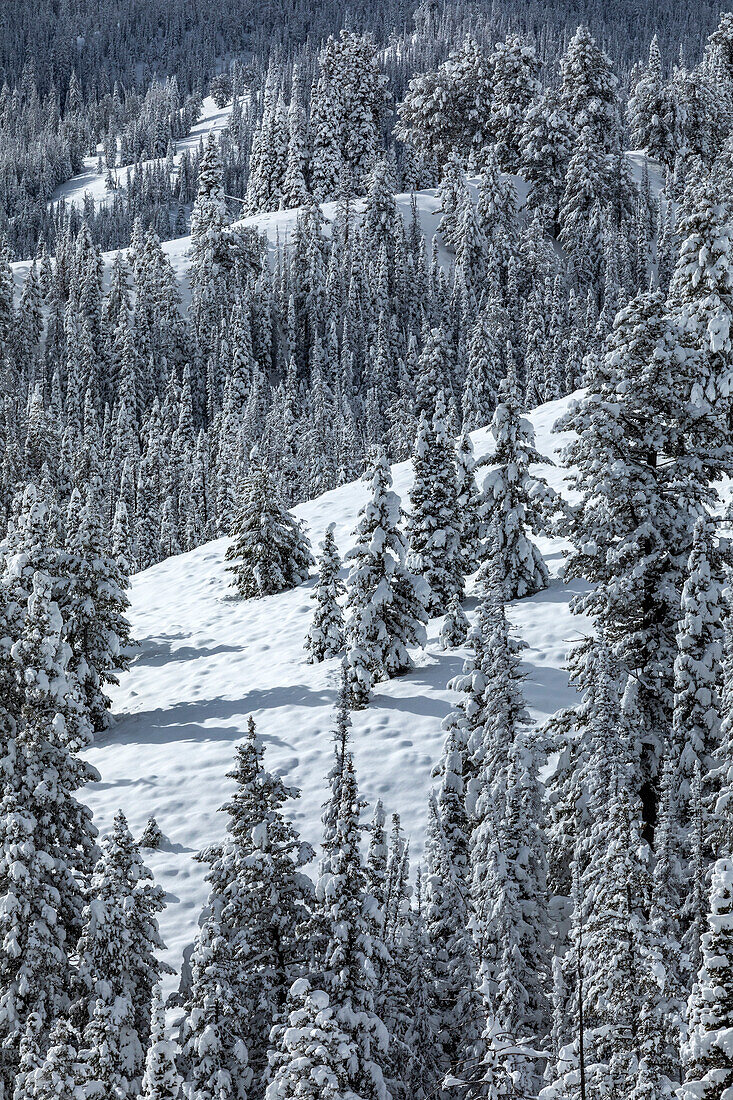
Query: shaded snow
(207, 661)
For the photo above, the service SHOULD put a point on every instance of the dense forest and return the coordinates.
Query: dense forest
(465, 238)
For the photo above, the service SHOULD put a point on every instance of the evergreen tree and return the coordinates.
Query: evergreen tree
(434, 525)
(348, 971)
(513, 498)
(269, 551)
(311, 1053)
(514, 66)
(454, 630)
(161, 1080)
(61, 1073)
(651, 112)
(48, 837)
(326, 634)
(250, 947)
(117, 965)
(94, 601)
(697, 667)
(706, 1054)
(385, 602)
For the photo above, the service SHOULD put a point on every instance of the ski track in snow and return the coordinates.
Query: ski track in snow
(208, 660)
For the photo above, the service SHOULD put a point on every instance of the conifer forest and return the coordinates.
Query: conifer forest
(366, 550)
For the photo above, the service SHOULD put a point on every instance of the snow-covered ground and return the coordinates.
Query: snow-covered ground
(208, 660)
(90, 182)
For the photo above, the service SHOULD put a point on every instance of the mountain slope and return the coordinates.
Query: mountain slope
(207, 661)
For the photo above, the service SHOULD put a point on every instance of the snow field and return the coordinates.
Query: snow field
(208, 660)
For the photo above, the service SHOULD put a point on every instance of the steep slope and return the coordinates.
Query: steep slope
(207, 661)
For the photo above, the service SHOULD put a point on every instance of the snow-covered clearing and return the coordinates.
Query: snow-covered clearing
(208, 660)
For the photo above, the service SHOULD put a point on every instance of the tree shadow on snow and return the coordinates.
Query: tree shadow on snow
(185, 721)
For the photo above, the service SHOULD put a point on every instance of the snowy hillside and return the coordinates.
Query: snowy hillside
(208, 660)
(278, 225)
(90, 182)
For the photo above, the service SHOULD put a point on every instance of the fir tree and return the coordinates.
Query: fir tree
(348, 963)
(326, 634)
(454, 630)
(513, 498)
(161, 1080)
(386, 604)
(434, 526)
(269, 551)
(311, 1052)
(706, 1055)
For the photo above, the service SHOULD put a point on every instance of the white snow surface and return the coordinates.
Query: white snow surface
(207, 660)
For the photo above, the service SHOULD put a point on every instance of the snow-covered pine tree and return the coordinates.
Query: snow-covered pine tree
(663, 995)
(348, 974)
(652, 111)
(258, 903)
(423, 1072)
(434, 522)
(513, 498)
(696, 715)
(326, 633)
(214, 1054)
(458, 1009)
(152, 835)
(269, 551)
(94, 601)
(454, 630)
(385, 602)
(210, 248)
(514, 66)
(468, 502)
(706, 1053)
(161, 1080)
(311, 1052)
(48, 839)
(117, 966)
(486, 349)
(61, 1072)
(545, 145)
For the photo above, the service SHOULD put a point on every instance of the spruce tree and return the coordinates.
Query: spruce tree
(94, 602)
(696, 714)
(385, 602)
(325, 636)
(348, 973)
(161, 1080)
(61, 1073)
(434, 524)
(468, 503)
(311, 1052)
(513, 498)
(48, 836)
(250, 949)
(706, 1054)
(269, 551)
(454, 630)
